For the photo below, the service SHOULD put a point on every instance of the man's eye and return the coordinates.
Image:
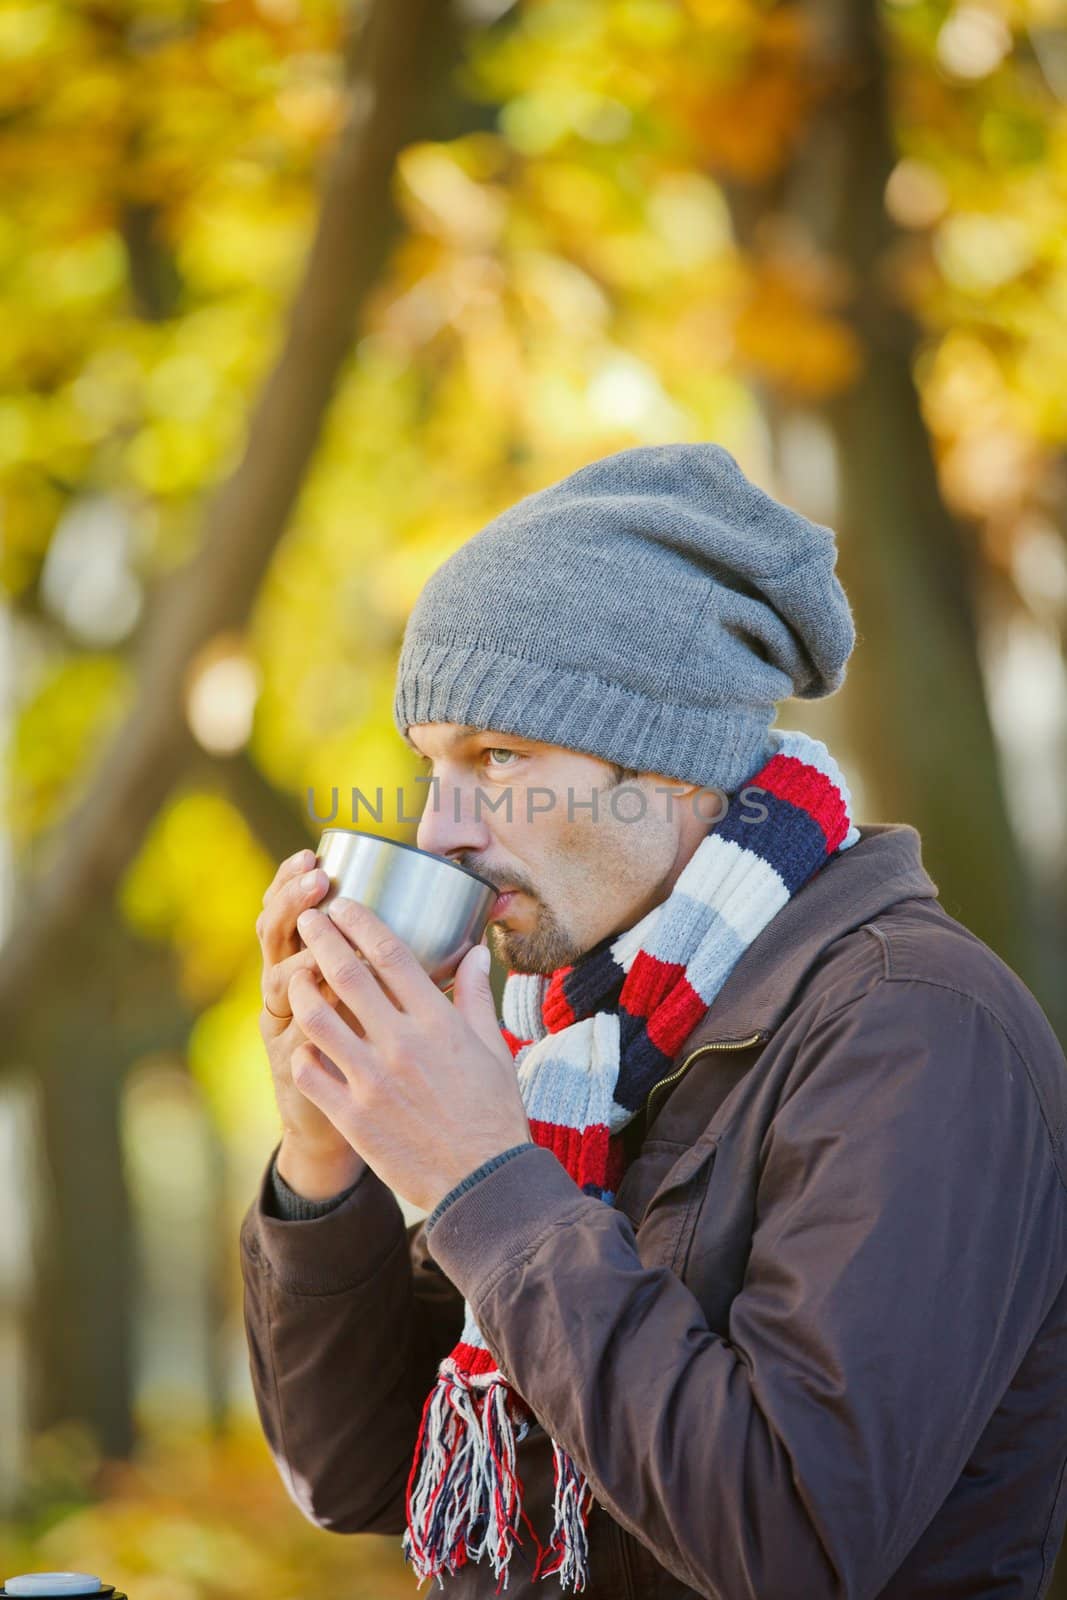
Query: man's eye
(500, 750)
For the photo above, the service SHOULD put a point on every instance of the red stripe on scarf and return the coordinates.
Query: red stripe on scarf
(472, 1361)
(788, 778)
(586, 1156)
(556, 1010)
(512, 1040)
(672, 1022)
(599, 1158)
(648, 983)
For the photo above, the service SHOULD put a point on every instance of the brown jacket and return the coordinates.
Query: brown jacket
(816, 1349)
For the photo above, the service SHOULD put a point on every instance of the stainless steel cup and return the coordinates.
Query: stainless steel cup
(439, 909)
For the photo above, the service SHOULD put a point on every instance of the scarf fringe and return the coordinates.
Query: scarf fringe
(464, 1497)
(569, 1546)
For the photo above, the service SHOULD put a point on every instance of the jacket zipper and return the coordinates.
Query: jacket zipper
(719, 1044)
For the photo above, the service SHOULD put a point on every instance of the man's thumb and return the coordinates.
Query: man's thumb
(473, 994)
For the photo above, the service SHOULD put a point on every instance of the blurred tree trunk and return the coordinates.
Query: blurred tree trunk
(81, 1350)
(68, 936)
(919, 716)
(922, 721)
(119, 1000)
(397, 62)
(121, 1003)
(220, 1248)
(916, 707)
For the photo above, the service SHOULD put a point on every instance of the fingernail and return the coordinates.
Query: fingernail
(306, 921)
(310, 879)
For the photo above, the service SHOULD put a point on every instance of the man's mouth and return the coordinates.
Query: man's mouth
(501, 903)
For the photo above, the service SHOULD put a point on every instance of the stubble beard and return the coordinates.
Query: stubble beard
(540, 951)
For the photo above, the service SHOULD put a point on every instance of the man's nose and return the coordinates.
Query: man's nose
(448, 824)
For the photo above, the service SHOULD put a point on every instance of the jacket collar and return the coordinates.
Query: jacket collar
(881, 868)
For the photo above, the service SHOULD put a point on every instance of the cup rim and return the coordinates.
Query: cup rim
(379, 838)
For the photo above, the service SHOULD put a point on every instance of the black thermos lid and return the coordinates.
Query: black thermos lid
(58, 1586)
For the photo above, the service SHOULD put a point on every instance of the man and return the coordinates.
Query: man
(745, 1268)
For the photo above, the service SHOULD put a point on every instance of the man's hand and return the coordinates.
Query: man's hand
(314, 1159)
(428, 1090)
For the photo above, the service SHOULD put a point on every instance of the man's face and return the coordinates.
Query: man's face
(580, 875)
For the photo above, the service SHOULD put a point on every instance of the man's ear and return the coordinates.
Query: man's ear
(680, 789)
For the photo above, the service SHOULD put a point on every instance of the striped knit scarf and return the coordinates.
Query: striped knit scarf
(589, 1043)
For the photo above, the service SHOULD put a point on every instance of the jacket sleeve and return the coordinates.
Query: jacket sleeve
(346, 1318)
(910, 1234)
(281, 1201)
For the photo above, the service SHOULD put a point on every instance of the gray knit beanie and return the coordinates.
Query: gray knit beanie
(651, 609)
